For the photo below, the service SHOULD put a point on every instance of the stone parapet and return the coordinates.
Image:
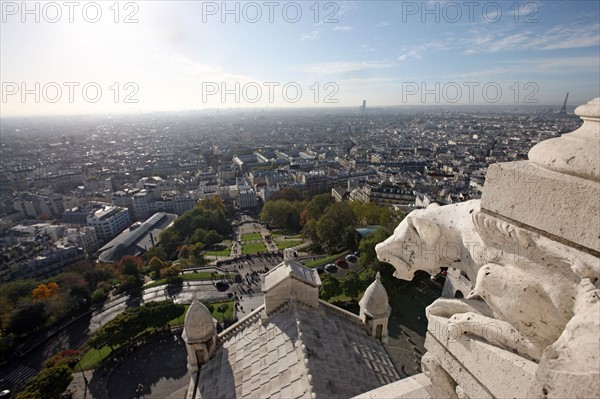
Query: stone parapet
(527, 193)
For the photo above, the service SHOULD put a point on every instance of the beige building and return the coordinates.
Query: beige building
(293, 346)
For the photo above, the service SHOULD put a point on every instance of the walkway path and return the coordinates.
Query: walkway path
(160, 366)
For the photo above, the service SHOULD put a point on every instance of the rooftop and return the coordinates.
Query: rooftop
(297, 352)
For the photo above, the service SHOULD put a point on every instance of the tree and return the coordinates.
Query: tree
(14, 291)
(317, 206)
(211, 238)
(330, 287)
(80, 297)
(282, 213)
(169, 241)
(351, 284)
(96, 276)
(156, 264)
(41, 292)
(133, 321)
(368, 256)
(184, 252)
(27, 317)
(214, 203)
(50, 383)
(333, 223)
(156, 251)
(99, 296)
(131, 265)
(170, 273)
(286, 193)
(129, 283)
(310, 230)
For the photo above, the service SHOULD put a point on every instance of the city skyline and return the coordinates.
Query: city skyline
(139, 57)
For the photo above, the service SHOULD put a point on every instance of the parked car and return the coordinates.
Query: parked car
(320, 269)
(330, 268)
(341, 262)
(351, 258)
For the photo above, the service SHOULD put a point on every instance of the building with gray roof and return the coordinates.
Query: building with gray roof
(138, 238)
(293, 346)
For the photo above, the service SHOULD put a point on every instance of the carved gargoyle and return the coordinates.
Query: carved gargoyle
(523, 287)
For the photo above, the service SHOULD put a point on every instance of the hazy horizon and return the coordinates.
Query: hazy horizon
(61, 58)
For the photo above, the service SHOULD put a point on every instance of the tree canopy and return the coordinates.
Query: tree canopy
(206, 224)
(133, 321)
(50, 383)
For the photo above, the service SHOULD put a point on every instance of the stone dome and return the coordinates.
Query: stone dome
(199, 325)
(375, 300)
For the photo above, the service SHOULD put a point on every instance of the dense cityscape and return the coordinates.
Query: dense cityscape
(67, 170)
(293, 200)
(100, 190)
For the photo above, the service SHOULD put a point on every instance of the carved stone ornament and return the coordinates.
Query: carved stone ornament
(531, 325)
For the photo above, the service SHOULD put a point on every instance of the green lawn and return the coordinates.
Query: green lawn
(327, 259)
(287, 244)
(341, 298)
(251, 236)
(228, 313)
(215, 312)
(92, 358)
(288, 234)
(222, 252)
(294, 237)
(253, 248)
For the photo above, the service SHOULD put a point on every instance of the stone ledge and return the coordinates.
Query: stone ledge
(483, 369)
(527, 193)
(414, 387)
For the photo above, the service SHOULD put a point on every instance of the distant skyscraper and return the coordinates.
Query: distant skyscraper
(364, 106)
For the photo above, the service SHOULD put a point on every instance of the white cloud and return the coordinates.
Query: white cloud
(547, 66)
(208, 73)
(382, 24)
(558, 37)
(411, 54)
(482, 73)
(347, 66)
(342, 28)
(314, 35)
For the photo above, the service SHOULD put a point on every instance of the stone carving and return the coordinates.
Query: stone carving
(570, 367)
(528, 303)
(532, 251)
(435, 237)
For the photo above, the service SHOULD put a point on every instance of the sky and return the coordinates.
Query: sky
(145, 56)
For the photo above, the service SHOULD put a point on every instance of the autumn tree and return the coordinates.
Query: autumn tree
(170, 273)
(45, 291)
